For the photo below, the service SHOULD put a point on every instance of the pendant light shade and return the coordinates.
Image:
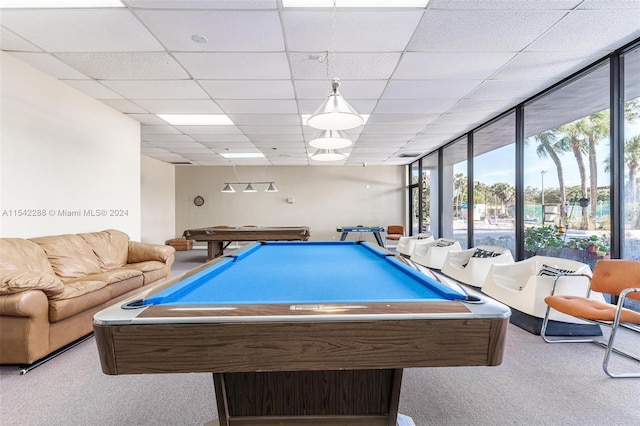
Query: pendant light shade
(228, 188)
(330, 139)
(271, 188)
(249, 188)
(335, 113)
(328, 155)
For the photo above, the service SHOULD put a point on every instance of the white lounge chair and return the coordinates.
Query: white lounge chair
(521, 286)
(471, 266)
(433, 253)
(407, 244)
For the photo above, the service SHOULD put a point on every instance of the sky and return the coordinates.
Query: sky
(487, 167)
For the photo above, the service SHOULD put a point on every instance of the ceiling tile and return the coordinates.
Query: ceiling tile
(248, 89)
(450, 65)
(504, 4)
(157, 89)
(401, 119)
(392, 129)
(178, 106)
(226, 31)
(102, 30)
(507, 89)
(203, 4)
(166, 138)
(426, 89)
(481, 30)
(124, 106)
(208, 138)
(259, 106)
(578, 31)
(355, 31)
(266, 119)
(125, 65)
(235, 66)
(272, 130)
(269, 138)
(93, 89)
(423, 106)
(150, 119)
(158, 130)
(50, 65)
(362, 106)
(13, 42)
(349, 89)
(550, 66)
(352, 66)
(210, 130)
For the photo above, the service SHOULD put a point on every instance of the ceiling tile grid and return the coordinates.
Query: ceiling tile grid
(424, 76)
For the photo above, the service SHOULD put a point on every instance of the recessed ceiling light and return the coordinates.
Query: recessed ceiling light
(50, 4)
(243, 155)
(305, 118)
(355, 3)
(199, 38)
(197, 119)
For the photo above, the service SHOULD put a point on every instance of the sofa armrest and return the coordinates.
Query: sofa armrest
(29, 303)
(141, 252)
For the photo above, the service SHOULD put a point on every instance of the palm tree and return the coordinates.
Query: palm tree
(549, 145)
(595, 128)
(459, 189)
(575, 137)
(632, 161)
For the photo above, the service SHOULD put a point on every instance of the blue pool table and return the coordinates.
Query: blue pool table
(302, 332)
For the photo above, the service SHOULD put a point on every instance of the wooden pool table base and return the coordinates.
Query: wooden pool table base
(345, 397)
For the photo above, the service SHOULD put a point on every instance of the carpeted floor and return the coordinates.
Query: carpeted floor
(537, 384)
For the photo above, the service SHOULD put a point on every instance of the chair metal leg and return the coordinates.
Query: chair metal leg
(608, 346)
(611, 348)
(544, 336)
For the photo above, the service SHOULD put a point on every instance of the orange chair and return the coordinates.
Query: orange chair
(616, 277)
(394, 233)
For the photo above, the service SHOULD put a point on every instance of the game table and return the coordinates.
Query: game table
(375, 230)
(302, 333)
(217, 236)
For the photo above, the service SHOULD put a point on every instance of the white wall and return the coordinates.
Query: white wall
(324, 197)
(61, 151)
(158, 191)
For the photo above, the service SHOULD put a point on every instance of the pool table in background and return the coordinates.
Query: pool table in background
(302, 333)
(216, 236)
(375, 230)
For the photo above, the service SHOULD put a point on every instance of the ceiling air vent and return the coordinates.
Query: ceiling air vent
(180, 162)
(408, 155)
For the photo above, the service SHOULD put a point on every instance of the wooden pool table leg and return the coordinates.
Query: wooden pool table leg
(214, 249)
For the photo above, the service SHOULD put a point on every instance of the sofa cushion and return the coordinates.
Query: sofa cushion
(78, 288)
(69, 255)
(18, 281)
(78, 297)
(110, 246)
(24, 255)
(110, 277)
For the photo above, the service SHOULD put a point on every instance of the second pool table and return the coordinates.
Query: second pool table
(312, 333)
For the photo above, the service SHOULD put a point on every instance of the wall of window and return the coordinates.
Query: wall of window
(562, 154)
(414, 198)
(567, 184)
(455, 211)
(494, 185)
(430, 185)
(631, 156)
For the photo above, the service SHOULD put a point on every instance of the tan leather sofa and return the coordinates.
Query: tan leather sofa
(50, 287)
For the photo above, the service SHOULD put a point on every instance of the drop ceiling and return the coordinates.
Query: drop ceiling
(424, 75)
